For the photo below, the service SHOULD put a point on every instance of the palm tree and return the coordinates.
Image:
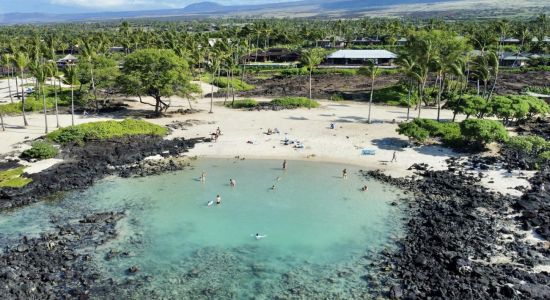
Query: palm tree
(89, 52)
(70, 74)
(51, 69)
(21, 61)
(407, 64)
(39, 73)
(372, 71)
(6, 61)
(311, 59)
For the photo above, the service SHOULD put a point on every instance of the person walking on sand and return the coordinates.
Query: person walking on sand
(394, 157)
(284, 165)
(218, 199)
(345, 173)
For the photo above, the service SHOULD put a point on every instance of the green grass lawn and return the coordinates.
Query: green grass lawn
(13, 178)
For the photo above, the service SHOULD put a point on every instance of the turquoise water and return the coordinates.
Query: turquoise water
(321, 230)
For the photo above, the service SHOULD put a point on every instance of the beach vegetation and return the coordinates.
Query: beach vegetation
(295, 102)
(245, 103)
(13, 178)
(479, 132)
(105, 130)
(40, 150)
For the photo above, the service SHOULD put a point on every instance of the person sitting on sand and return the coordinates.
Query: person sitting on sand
(332, 126)
(259, 237)
(218, 131)
(345, 173)
(250, 142)
(232, 182)
(218, 199)
(275, 130)
(269, 131)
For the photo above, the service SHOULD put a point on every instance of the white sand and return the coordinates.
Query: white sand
(310, 127)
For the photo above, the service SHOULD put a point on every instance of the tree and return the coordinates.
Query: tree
(40, 73)
(311, 59)
(51, 70)
(372, 71)
(156, 73)
(7, 62)
(407, 65)
(71, 78)
(481, 132)
(21, 61)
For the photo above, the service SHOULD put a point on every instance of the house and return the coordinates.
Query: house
(336, 42)
(274, 55)
(545, 40)
(360, 57)
(366, 41)
(509, 59)
(509, 41)
(116, 49)
(68, 60)
(401, 42)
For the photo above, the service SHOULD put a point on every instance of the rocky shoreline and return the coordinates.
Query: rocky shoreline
(84, 165)
(457, 230)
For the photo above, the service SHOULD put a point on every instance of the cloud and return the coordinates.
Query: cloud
(102, 3)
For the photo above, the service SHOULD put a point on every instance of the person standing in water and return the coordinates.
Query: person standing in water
(232, 182)
(218, 199)
(203, 177)
(394, 157)
(284, 165)
(345, 173)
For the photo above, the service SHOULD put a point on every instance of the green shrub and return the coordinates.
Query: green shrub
(394, 95)
(13, 178)
(104, 130)
(237, 84)
(40, 150)
(528, 143)
(337, 97)
(481, 132)
(245, 103)
(420, 130)
(294, 102)
(545, 156)
(31, 105)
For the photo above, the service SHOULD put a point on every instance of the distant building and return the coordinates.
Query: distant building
(366, 41)
(360, 57)
(274, 55)
(67, 61)
(401, 42)
(329, 43)
(514, 59)
(509, 41)
(116, 49)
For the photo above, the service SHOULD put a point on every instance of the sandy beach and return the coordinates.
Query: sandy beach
(244, 134)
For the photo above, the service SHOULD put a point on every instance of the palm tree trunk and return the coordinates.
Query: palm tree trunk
(16, 86)
(370, 100)
(9, 86)
(310, 93)
(439, 98)
(493, 87)
(93, 88)
(72, 105)
(23, 100)
(232, 87)
(2, 120)
(211, 98)
(45, 110)
(56, 109)
(409, 100)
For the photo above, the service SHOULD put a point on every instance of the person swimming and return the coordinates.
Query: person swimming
(218, 199)
(202, 178)
(365, 188)
(272, 187)
(210, 203)
(259, 237)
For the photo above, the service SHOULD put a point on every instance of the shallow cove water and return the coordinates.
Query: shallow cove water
(321, 230)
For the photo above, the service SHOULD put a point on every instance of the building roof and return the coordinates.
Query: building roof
(69, 57)
(362, 54)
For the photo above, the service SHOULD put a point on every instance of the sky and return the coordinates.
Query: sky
(80, 6)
